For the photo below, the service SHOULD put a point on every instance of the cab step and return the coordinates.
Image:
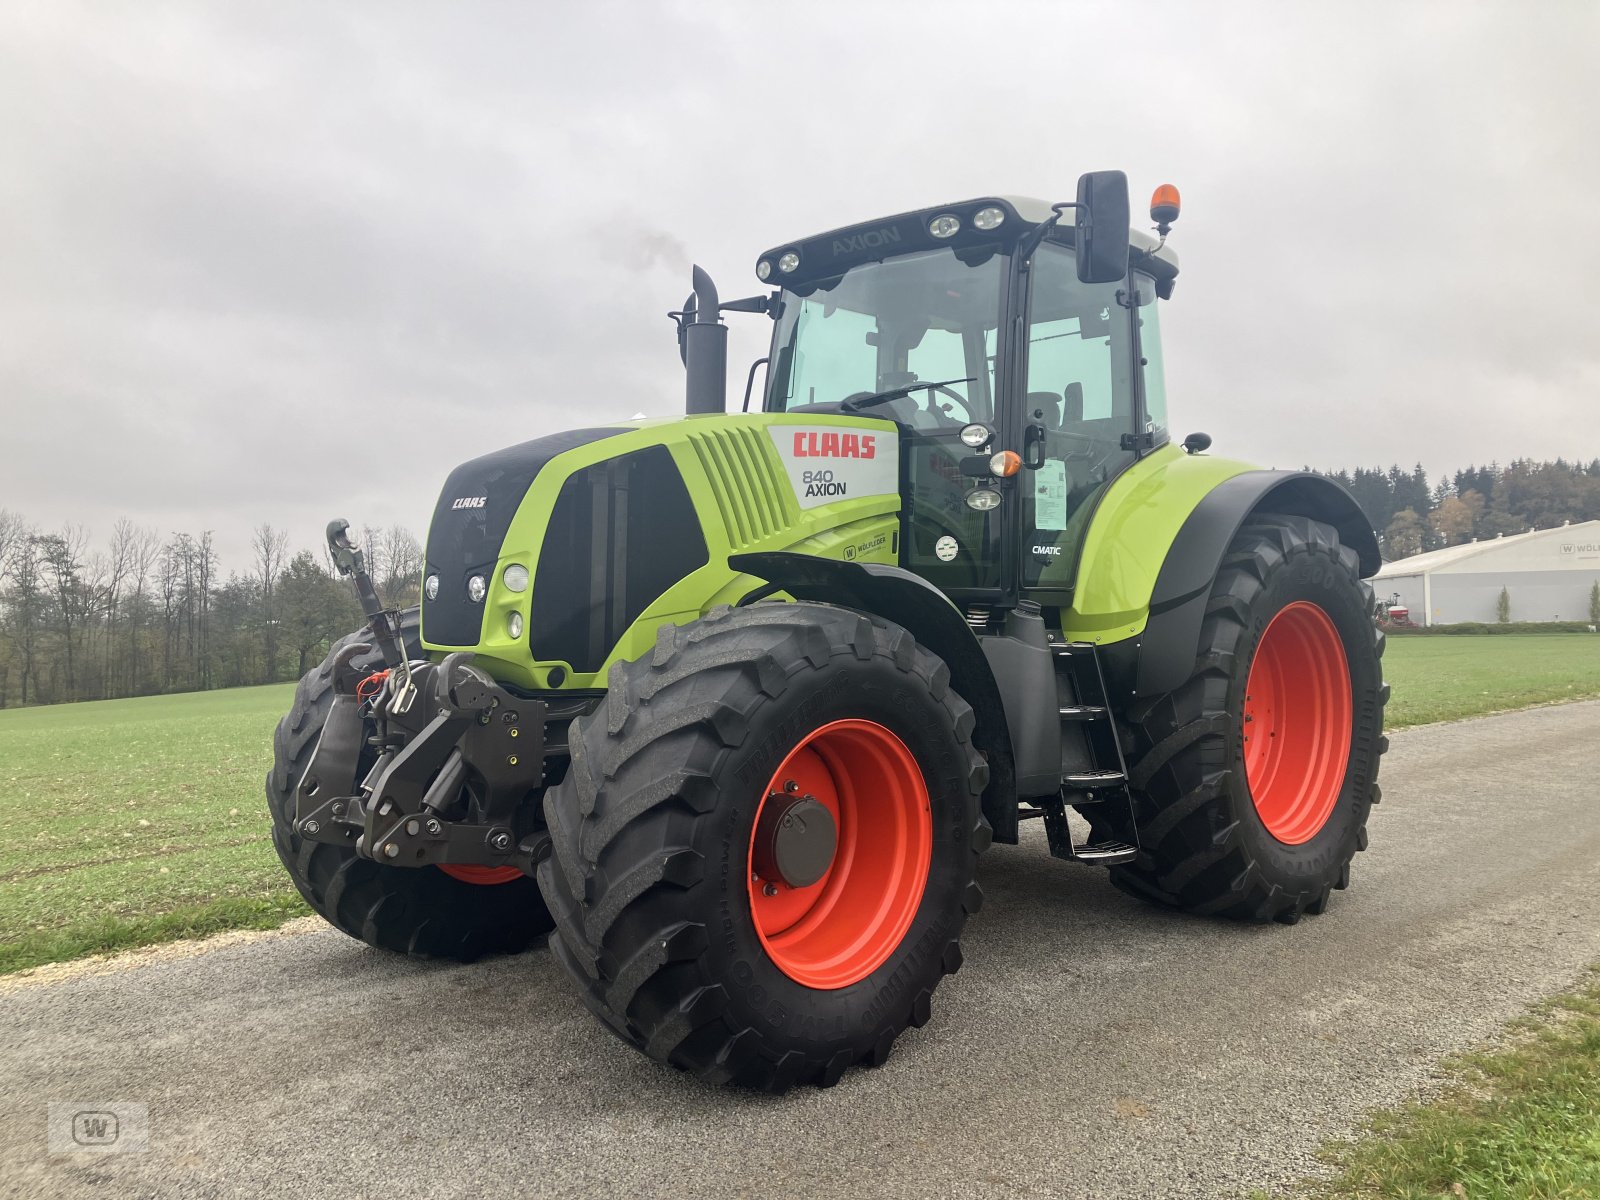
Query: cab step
(1093, 781)
(1087, 708)
(1082, 712)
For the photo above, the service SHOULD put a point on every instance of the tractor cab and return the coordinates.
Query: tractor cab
(1022, 382)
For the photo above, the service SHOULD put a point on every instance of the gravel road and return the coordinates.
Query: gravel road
(1091, 1046)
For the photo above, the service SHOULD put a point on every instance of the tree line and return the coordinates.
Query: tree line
(139, 614)
(1412, 514)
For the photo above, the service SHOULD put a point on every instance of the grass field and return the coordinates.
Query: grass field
(124, 822)
(135, 821)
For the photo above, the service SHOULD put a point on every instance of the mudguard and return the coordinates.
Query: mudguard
(1177, 605)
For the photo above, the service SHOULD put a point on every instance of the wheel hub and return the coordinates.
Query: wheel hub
(1297, 721)
(795, 840)
(839, 854)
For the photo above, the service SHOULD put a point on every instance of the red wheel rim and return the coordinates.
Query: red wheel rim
(840, 929)
(483, 876)
(1297, 722)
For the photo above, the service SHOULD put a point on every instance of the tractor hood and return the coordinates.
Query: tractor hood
(541, 557)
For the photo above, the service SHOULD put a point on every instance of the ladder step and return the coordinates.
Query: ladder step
(1082, 712)
(1105, 854)
(1089, 781)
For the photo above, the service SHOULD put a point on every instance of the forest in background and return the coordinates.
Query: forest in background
(140, 613)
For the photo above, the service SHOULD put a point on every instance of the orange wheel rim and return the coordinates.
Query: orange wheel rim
(483, 876)
(1297, 722)
(841, 928)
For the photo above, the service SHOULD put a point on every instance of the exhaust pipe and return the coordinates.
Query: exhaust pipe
(704, 340)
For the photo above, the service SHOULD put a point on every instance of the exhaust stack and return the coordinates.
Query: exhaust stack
(704, 340)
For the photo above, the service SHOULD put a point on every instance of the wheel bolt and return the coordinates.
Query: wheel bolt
(791, 787)
(770, 890)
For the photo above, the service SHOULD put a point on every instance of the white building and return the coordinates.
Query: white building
(1547, 573)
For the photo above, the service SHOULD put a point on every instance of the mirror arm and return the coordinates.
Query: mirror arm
(1032, 241)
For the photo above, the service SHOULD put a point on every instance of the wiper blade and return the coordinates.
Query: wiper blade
(855, 404)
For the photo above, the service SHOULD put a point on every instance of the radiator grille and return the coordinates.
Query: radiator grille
(738, 464)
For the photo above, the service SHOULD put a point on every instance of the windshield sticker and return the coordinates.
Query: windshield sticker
(1050, 495)
(946, 548)
(828, 463)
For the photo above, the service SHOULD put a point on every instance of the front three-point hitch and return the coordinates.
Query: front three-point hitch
(422, 763)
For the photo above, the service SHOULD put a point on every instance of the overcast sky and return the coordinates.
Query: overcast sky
(284, 262)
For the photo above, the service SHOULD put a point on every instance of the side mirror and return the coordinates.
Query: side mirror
(1102, 227)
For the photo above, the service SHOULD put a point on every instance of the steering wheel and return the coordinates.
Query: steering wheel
(862, 400)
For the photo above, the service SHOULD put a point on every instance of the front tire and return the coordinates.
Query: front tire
(669, 912)
(424, 912)
(1253, 779)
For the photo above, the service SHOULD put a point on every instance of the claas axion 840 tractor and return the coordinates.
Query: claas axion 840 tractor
(729, 704)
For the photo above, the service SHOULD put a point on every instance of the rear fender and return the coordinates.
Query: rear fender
(923, 610)
(1166, 648)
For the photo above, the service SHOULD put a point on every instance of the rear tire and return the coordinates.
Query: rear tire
(1210, 841)
(418, 911)
(650, 878)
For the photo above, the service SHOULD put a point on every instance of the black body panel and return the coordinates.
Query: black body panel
(622, 532)
(466, 541)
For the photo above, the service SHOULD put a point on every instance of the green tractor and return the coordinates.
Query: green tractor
(726, 706)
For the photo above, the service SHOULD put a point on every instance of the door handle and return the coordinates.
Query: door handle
(1033, 447)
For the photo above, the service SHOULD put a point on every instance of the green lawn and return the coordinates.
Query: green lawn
(1444, 678)
(134, 821)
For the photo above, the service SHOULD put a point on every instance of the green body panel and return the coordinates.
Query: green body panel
(739, 486)
(1129, 535)
(746, 503)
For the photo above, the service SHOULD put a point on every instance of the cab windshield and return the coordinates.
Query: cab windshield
(918, 318)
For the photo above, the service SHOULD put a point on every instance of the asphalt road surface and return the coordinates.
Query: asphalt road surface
(1091, 1045)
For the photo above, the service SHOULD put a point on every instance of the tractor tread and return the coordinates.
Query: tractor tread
(1194, 855)
(621, 879)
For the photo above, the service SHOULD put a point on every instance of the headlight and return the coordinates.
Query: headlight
(983, 500)
(989, 218)
(975, 436)
(514, 625)
(430, 587)
(477, 589)
(789, 263)
(516, 578)
(945, 226)
(763, 270)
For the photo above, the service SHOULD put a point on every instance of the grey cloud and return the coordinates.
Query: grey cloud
(280, 262)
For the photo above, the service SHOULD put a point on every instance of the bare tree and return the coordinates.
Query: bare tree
(402, 566)
(61, 554)
(271, 546)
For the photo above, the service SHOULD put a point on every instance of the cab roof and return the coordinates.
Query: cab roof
(827, 254)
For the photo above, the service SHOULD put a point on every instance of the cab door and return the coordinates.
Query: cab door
(1079, 412)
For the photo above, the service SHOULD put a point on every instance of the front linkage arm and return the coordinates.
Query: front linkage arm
(450, 776)
(456, 754)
